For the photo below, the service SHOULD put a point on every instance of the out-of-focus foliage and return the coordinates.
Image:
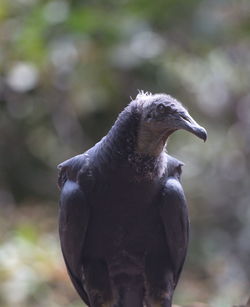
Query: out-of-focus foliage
(66, 69)
(31, 266)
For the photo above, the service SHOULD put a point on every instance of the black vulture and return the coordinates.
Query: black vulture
(123, 219)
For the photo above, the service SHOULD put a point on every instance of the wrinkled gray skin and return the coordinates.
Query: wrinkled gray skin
(161, 116)
(123, 219)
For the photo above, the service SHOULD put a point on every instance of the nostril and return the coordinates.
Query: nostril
(184, 117)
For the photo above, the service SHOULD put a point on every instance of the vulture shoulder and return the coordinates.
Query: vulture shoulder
(74, 215)
(173, 211)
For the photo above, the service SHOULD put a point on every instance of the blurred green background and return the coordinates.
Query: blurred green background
(67, 68)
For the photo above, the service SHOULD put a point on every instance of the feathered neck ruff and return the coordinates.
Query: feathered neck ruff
(118, 147)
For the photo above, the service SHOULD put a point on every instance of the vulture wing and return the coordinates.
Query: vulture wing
(173, 210)
(73, 220)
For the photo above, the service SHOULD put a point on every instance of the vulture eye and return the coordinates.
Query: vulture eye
(161, 108)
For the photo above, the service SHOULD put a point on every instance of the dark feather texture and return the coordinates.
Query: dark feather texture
(123, 220)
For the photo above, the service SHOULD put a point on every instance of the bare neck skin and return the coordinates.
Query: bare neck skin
(151, 142)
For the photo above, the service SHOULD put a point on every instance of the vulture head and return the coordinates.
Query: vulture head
(161, 115)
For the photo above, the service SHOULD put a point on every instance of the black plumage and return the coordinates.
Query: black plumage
(123, 219)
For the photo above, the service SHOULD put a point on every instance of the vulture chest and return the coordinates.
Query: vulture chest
(124, 218)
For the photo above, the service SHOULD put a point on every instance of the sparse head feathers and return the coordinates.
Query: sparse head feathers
(146, 98)
(143, 95)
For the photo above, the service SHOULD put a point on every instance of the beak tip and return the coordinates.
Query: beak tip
(203, 134)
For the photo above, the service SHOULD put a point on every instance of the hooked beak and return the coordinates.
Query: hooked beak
(187, 123)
